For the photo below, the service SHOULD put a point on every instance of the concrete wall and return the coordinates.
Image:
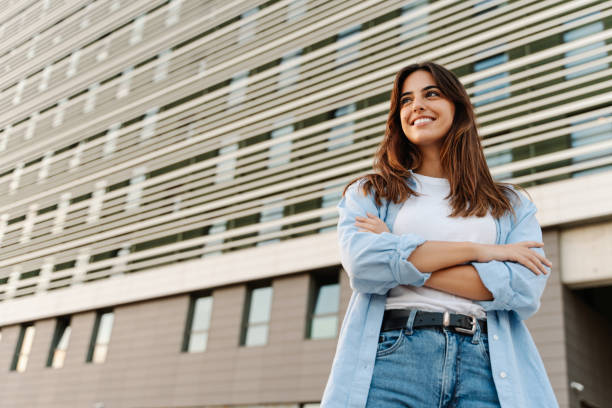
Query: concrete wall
(145, 367)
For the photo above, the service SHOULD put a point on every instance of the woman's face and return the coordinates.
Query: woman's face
(426, 114)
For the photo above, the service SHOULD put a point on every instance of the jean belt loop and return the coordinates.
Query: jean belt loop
(410, 321)
(476, 337)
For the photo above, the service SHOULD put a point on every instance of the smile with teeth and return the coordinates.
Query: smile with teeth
(422, 120)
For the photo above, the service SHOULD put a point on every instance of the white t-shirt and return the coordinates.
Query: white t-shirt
(428, 216)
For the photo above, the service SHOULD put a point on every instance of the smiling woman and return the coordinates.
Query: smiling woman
(440, 257)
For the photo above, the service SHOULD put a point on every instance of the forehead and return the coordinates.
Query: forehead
(417, 81)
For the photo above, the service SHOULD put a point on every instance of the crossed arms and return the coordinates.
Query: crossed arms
(498, 277)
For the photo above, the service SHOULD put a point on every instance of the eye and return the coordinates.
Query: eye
(427, 94)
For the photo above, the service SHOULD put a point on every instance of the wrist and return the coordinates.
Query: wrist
(476, 252)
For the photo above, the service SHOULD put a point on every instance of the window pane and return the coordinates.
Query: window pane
(28, 338)
(324, 327)
(257, 335)
(261, 300)
(327, 299)
(22, 363)
(104, 330)
(201, 313)
(65, 337)
(197, 342)
(58, 358)
(99, 354)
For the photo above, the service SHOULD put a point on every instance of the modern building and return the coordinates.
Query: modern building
(170, 171)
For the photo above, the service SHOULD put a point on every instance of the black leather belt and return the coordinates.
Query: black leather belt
(398, 319)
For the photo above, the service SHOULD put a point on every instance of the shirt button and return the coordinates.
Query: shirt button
(503, 374)
(495, 337)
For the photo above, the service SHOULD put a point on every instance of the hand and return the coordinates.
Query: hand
(371, 224)
(517, 252)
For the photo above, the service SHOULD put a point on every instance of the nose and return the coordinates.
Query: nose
(417, 104)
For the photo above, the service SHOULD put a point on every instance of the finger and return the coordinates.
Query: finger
(527, 262)
(531, 244)
(539, 264)
(368, 224)
(544, 260)
(371, 215)
(541, 258)
(364, 225)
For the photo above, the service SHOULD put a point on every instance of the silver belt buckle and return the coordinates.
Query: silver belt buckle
(446, 319)
(467, 331)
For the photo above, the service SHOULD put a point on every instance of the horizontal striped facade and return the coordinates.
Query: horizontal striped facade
(148, 133)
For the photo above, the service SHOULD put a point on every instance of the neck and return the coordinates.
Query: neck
(431, 165)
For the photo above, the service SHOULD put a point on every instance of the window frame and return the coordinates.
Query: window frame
(244, 326)
(317, 280)
(94, 337)
(61, 324)
(187, 333)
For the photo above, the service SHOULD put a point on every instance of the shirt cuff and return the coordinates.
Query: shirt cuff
(408, 273)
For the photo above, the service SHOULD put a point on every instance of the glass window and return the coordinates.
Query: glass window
(100, 337)
(257, 316)
(323, 310)
(174, 12)
(59, 343)
(498, 159)
(247, 30)
(216, 228)
(198, 324)
(279, 152)
(226, 168)
(290, 70)
(137, 29)
(349, 53)
(599, 130)
(340, 138)
(23, 348)
(273, 212)
(237, 88)
(581, 32)
(485, 64)
(330, 199)
(414, 28)
(296, 10)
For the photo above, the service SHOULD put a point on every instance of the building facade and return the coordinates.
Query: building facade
(171, 169)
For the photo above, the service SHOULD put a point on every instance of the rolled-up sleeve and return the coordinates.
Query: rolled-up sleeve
(514, 286)
(374, 262)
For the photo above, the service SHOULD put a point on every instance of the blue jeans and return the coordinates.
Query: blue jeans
(429, 367)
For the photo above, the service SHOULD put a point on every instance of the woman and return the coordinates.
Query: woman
(441, 259)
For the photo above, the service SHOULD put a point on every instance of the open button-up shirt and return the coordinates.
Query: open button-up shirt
(376, 263)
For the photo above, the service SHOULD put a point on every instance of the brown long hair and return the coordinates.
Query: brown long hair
(473, 192)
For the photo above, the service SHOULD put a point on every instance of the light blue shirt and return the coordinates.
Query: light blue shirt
(376, 263)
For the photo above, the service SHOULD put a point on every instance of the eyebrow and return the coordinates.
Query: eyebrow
(424, 89)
